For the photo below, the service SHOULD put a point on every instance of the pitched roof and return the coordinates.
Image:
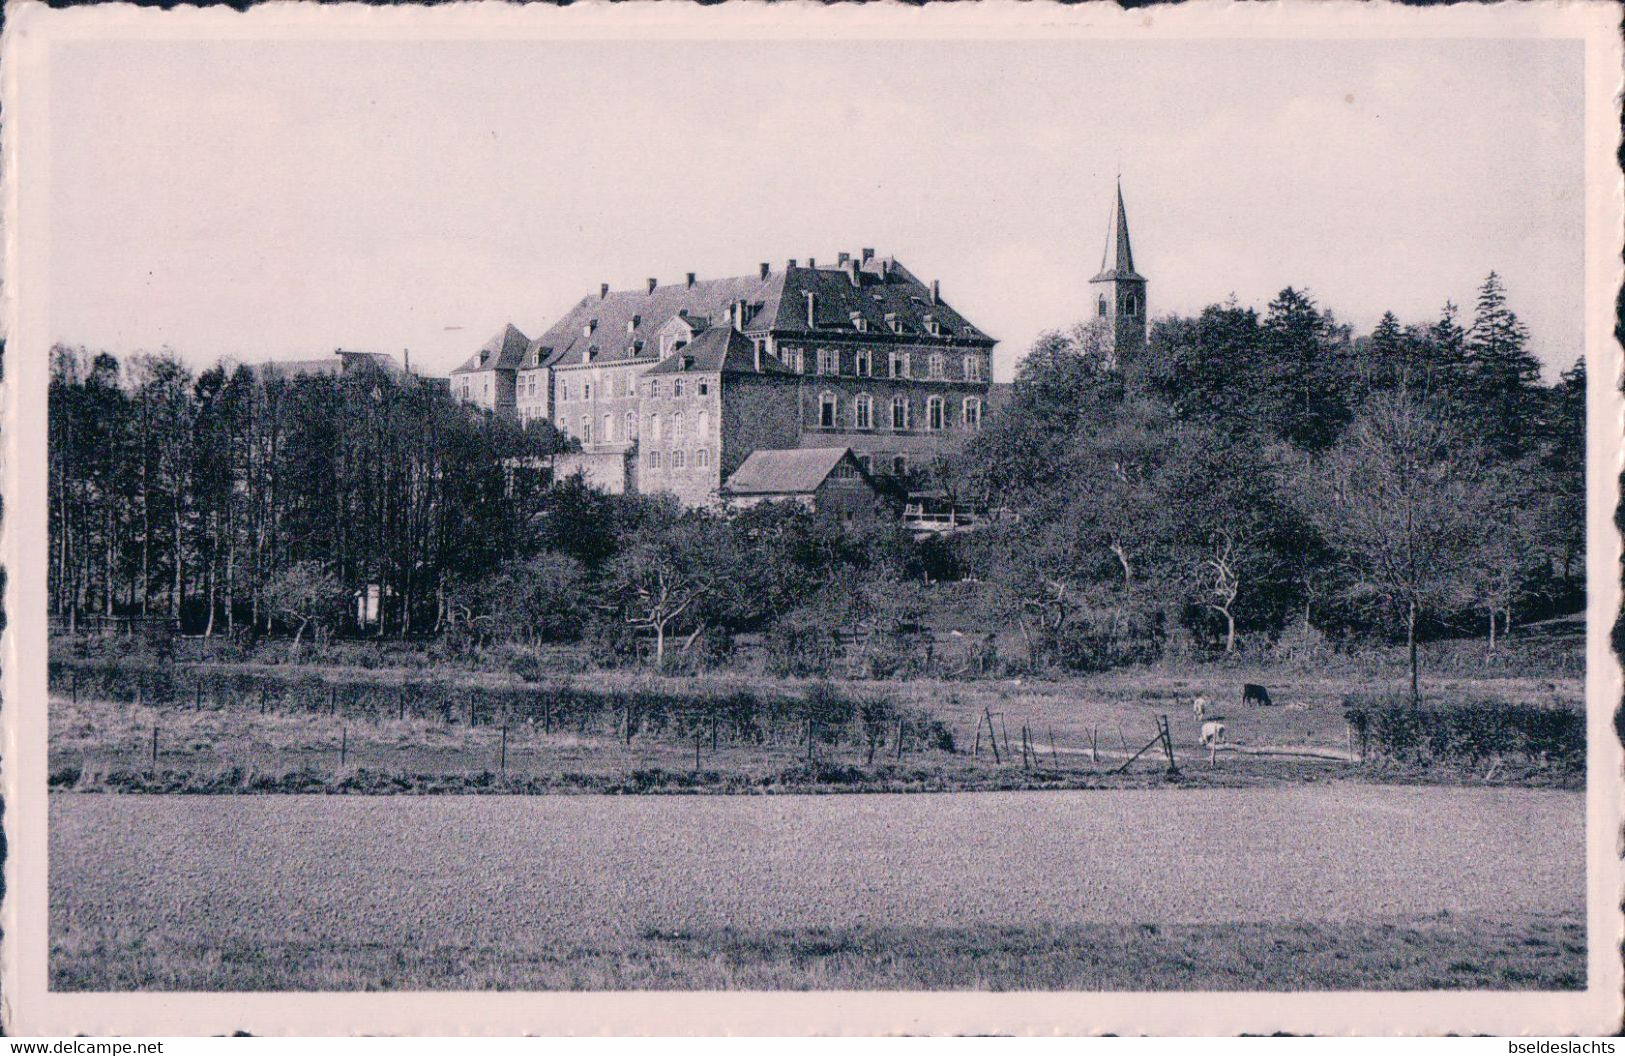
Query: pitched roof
(884, 287)
(776, 302)
(720, 349)
(798, 471)
(1122, 265)
(505, 351)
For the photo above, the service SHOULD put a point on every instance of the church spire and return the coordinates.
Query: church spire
(1121, 299)
(1120, 266)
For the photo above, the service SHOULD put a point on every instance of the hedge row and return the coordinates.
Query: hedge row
(1397, 729)
(744, 715)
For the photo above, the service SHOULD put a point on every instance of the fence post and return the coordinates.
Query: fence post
(900, 727)
(344, 744)
(629, 724)
(1094, 744)
(809, 742)
(73, 685)
(696, 749)
(262, 700)
(547, 714)
(1054, 759)
(197, 698)
(400, 705)
(155, 746)
(503, 763)
(713, 733)
(332, 700)
(992, 734)
(471, 716)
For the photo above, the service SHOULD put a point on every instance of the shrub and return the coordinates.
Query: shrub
(1394, 728)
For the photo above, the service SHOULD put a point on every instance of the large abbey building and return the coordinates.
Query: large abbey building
(672, 387)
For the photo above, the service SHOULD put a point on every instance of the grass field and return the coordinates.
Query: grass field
(1080, 731)
(1294, 887)
(1438, 952)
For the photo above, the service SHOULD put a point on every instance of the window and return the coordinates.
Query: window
(609, 429)
(792, 359)
(973, 368)
(826, 410)
(702, 457)
(829, 361)
(899, 412)
(863, 412)
(704, 388)
(1103, 306)
(899, 465)
(654, 459)
(899, 364)
(844, 471)
(654, 388)
(465, 388)
(865, 363)
(933, 413)
(937, 365)
(586, 429)
(702, 424)
(654, 429)
(868, 463)
(678, 388)
(1131, 305)
(973, 412)
(677, 424)
(631, 425)
(677, 459)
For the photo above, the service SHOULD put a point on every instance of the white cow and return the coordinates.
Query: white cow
(1199, 708)
(1212, 734)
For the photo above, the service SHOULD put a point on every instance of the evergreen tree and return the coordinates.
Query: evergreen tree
(1504, 376)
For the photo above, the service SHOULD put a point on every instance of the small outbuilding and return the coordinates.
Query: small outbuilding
(829, 479)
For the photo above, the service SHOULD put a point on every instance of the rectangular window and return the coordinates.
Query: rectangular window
(937, 365)
(586, 429)
(863, 413)
(829, 361)
(973, 413)
(865, 363)
(586, 390)
(654, 388)
(677, 459)
(704, 388)
(702, 457)
(899, 364)
(654, 459)
(899, 413)
(677, 388)
(827, 410)
(973, 368)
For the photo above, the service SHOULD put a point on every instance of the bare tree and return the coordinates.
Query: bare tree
(1397, 497)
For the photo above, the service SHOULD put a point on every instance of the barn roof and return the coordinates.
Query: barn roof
(798, 471)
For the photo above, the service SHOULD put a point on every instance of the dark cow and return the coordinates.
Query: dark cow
(1253, 693)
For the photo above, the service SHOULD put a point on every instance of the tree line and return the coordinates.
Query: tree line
(252, 499)
(1246, 478)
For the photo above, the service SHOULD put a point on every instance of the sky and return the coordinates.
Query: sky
(279, 200)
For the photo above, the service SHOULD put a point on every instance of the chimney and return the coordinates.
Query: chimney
(868, 254)
(652, 285)
(852, 271)
(766, 271)
(936, 291)
(841, 259)
(406, 354)
(603, 290)
(812, 310)
(691, 280)
(811, 263)
(790, 265)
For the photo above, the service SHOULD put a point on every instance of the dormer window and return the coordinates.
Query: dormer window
(933, 327)
(591, 325)
(859, 323)
(893, 323)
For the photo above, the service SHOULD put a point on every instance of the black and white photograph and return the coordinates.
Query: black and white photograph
(1028, 518)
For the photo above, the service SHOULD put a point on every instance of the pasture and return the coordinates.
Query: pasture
(1300, 887)
(249, 728)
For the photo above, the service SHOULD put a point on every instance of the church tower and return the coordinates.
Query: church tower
(1119, 289)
